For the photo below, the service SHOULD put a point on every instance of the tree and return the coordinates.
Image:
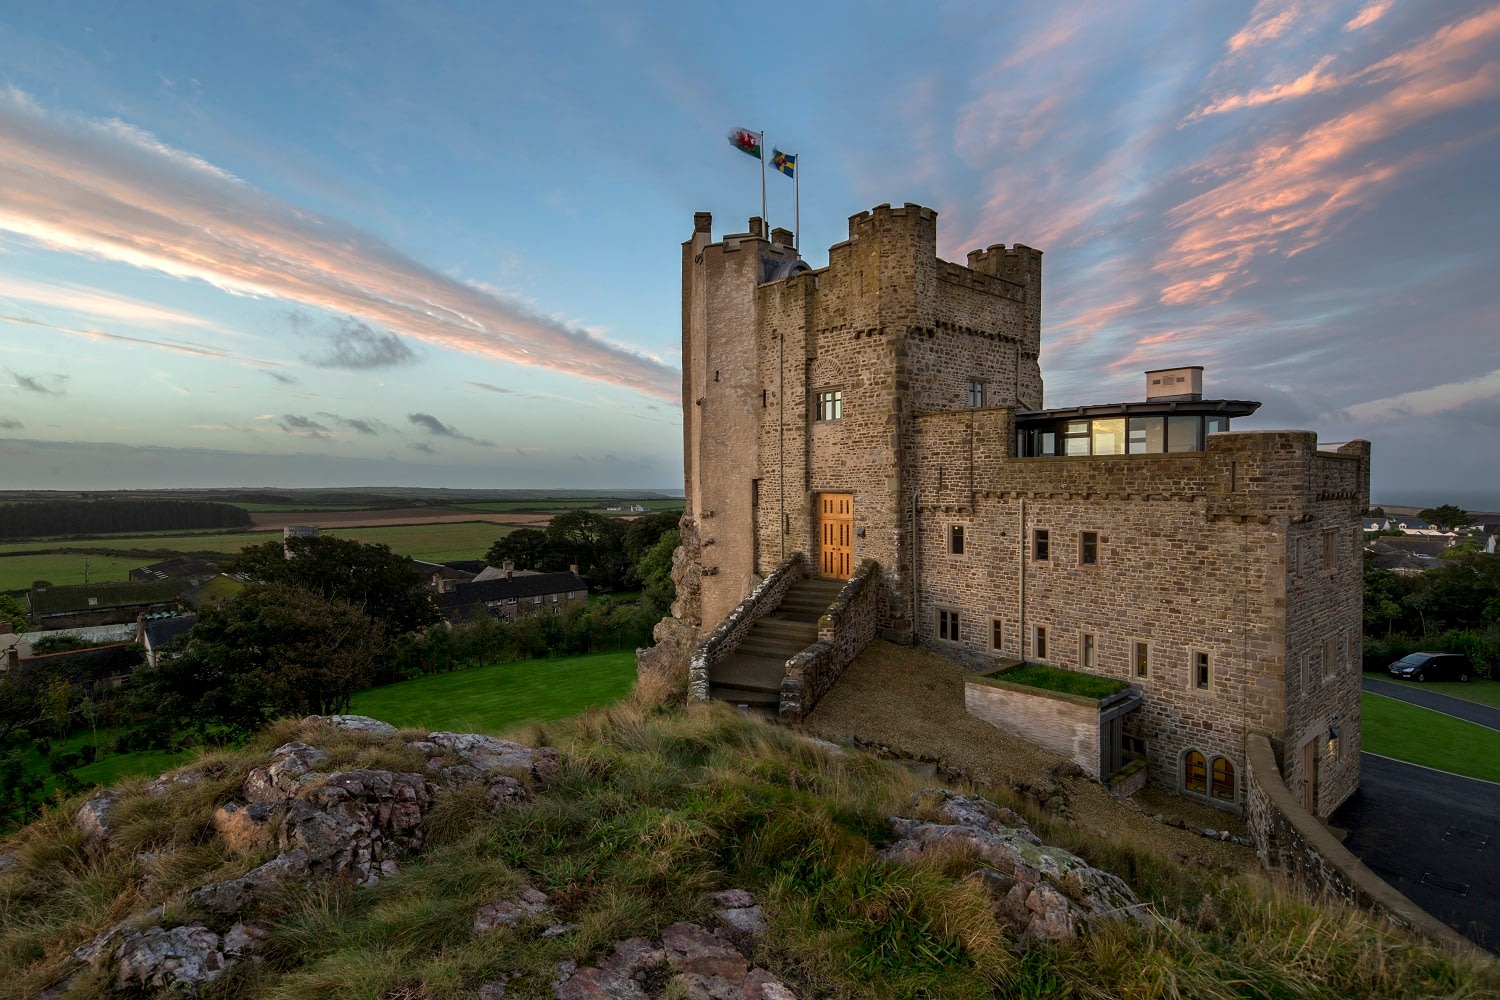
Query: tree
(13, 611)
(1446, 518)
(275, 649)
(371, 577)
(525, 547)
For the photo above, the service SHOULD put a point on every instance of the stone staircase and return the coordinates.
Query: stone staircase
(751, 675)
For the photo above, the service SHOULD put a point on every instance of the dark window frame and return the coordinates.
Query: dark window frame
(1041, 545)
(948, 623)
(1088, 548)
(829, 405)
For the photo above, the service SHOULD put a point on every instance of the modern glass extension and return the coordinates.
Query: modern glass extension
(1150, 428)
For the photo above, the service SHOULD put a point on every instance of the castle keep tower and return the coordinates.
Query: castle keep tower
(888, 407)
(800, 387)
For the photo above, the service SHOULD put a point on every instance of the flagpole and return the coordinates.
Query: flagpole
(797, 205)
(765, 223)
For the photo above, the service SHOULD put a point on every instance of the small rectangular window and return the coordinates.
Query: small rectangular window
(948, 625)
(1039, 642)
(956, 539)
(1330, 657)
(831, 405)
(1039, 545)
(1330, 550)
(1307, 671)
(1202, 677)
(1142, 656)
(997, 634)
(976, 395)
(1087, 644)
(1088, 548)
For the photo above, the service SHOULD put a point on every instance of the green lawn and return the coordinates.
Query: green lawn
(1395, 729)
(496, 699)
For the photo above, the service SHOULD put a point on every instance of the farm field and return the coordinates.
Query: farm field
(554, 506)
(433, 542)
(500, 697)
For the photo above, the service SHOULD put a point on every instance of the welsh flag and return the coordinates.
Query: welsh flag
(746, 141)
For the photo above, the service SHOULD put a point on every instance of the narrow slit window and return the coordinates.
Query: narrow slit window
(1087, 651)
(1088, 548)
(1202, 674)
(1040, 546)
(1039, 643)
(997, 633)
(956, 539)
(1142, 658)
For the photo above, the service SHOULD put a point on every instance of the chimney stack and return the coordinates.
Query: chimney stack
(509, 569)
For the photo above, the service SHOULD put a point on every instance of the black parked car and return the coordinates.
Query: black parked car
(1433, 667)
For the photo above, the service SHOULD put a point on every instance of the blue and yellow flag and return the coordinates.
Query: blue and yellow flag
(785, 162)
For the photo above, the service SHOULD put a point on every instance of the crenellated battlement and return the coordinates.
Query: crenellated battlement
(1020, 263)
(883, 218)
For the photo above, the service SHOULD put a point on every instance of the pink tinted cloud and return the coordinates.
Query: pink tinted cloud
(1268, 21)
(1290, 192)
(108, 191)
(1368, 15)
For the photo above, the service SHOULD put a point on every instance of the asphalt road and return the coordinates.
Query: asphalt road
(1415, 694)
(1434, 836)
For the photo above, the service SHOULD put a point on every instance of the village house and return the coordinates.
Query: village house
(882, 419)
(508, 594)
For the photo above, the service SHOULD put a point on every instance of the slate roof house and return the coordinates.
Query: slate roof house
(101, 603)
(511, 597)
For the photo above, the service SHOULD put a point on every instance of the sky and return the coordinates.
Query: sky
(438, 244)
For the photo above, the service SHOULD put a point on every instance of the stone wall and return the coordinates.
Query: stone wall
(852, 620)
(1291, 842)
(721, 642)
(1175, 570)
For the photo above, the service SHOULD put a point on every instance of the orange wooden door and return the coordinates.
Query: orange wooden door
(836, 535)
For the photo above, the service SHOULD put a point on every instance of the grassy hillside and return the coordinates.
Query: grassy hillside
(654, 807)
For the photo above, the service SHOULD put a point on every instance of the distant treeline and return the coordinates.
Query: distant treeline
(95, 517)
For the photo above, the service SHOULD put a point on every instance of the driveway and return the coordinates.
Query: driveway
(1434, 836)
(1415, 694)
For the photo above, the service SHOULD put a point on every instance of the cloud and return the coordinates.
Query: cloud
(432, 425)
(491, 388)
(100, 305)
(1268, 21)
(1290, 190)
(303, 426)
(358, 346)
(361, 426)
(281, 377)
(10, 424)
(1367, 16)
(45, 385)
(423, 447)
(115, 193)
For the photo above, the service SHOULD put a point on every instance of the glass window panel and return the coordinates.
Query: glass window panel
(1148, 435)
(1109, 436)
(1214, 424)
(1184, 433)
(1195, 772)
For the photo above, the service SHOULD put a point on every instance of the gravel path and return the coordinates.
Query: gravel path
(912, 702)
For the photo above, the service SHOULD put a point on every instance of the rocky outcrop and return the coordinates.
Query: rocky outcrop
(689, 961)
(675, 636)
(1043, 893)
(352, 824)
(92, 818)
(188, 956)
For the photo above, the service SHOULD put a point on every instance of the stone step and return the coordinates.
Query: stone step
(765, 703)
(747, 673)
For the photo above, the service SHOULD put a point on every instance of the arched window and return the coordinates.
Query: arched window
(1195, 773)
(1223, 787)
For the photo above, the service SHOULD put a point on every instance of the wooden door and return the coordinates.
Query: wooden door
(1310, 776)
(836, 535)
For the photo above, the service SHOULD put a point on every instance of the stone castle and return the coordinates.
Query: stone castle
(879, 423)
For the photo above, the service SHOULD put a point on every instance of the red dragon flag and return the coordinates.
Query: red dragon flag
(746, 141)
